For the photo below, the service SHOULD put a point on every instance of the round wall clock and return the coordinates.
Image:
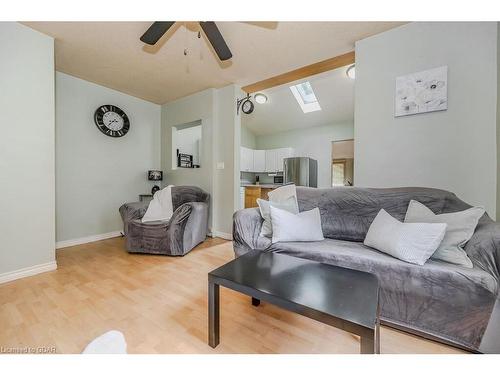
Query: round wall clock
(111, 120)
(247, 106)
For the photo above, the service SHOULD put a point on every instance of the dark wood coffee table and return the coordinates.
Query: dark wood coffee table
(340, 297)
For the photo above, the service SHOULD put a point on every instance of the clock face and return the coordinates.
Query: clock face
(247, 107)
(111, 120)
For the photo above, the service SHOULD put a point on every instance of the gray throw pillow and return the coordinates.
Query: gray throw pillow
(289, 205)
(410, 242)
(460, 227)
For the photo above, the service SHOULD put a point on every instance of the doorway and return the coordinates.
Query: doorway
(343, 163)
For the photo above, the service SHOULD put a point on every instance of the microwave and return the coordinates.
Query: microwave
(278, 179)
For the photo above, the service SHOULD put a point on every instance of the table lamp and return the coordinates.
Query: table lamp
(155, 176)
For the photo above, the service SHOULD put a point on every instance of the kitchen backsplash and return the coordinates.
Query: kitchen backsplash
(250, 177)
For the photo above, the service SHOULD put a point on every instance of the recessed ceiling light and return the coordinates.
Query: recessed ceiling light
(351, 71)
(260, 98)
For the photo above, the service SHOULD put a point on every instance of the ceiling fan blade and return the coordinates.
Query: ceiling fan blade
(215, 37)
(156, 31)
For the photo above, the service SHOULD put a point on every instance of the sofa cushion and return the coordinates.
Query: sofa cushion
(440, 299)
(149, 237)
(393, 273)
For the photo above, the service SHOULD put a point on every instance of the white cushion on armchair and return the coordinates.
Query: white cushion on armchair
(160, 208)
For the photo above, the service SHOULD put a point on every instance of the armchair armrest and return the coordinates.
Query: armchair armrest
(247, 225)
(188, 227)
(484, 246)
(132, 211)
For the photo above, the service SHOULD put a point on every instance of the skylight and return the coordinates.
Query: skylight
(304, 94)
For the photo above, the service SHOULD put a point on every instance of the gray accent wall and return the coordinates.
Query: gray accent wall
(27, 199)
(314, 142)
(454, 149)
(95, 173)
(216, 109)
(196, 107)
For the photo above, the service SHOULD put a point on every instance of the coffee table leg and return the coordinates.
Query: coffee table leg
(213, 314)
(377, 330)
(255, 301)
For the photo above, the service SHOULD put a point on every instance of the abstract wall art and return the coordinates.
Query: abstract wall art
(421, 92)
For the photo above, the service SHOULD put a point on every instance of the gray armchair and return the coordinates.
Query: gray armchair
(187, 228)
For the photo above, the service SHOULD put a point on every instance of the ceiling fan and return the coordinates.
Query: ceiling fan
(157, 29)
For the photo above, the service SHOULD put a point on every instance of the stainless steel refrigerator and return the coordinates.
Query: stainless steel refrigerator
(302, 171)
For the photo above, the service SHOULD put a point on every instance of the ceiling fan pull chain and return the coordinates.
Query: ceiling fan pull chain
(186, 48)
(200, 49)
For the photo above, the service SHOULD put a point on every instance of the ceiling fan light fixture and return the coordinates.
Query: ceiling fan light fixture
(260, 98)
(351, 71)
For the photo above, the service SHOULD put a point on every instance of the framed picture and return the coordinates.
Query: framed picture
(421, 92)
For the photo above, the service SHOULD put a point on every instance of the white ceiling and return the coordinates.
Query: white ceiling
(111, 54)
(335, 94)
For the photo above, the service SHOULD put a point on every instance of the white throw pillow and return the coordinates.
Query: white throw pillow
(289, 205)
(160, 207)
(410, 242)
(288, 227)
(283, 194)
(460, 227)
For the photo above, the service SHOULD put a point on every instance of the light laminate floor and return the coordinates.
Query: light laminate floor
(160, 304)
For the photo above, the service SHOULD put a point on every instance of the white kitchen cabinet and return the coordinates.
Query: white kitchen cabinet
(281, 154)
(271, 160)
(246, 159)
(274, 158)
(259, 160)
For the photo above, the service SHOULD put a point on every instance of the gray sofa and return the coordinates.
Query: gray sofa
(438, 300)
(187, 228)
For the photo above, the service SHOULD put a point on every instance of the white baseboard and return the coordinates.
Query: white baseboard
(79, 241)
(223, 235)
(28, 271)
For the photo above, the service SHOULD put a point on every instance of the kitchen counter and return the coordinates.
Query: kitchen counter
(264, 186)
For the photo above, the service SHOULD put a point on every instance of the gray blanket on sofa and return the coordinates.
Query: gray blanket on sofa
(441, 300)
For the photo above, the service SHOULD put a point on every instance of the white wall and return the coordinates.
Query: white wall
(454, 149)
(196, 107)
(220, 131)
(315, 142)
(188, 141)
(27, 220)
(96, 174)
(248, 139)
(227, 137)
